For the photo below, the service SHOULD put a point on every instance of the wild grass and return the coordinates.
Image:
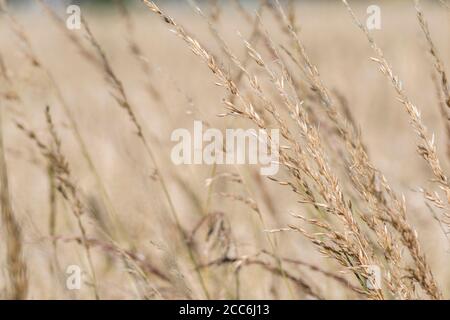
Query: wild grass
(364, 152)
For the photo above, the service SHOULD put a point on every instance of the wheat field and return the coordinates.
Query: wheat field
(88, 185)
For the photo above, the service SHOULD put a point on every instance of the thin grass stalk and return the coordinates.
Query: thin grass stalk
(32, 56)
(426, 149)
(122, 99)
(12, 232)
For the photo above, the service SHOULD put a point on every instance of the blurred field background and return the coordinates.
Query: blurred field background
(177, 90)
